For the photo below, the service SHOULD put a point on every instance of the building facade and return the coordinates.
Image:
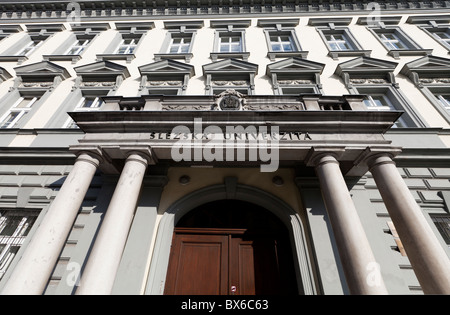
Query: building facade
(240, 147)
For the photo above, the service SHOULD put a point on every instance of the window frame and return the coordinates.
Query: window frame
(80, 32)
(397, 101)
(135, 32)
(356, 48)
(21, 111)
(35, 33)
(411, 47)
(176, 29)
(442, 218)
(18, 237)
(165, 52)
(430, 80)
(229, 28)
(430, 91)
(70, 124)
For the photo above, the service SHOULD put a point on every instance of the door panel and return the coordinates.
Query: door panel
(198, 265)
(255, 266)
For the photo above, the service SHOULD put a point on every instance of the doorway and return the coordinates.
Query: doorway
(230, 247)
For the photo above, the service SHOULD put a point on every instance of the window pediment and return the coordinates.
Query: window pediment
(106, 68)
(295, 72)
(43, 75)
(230, 66)
(102, 74)
(4, 75)
(366, 70)
(295, 67)
(166, 73)
(428, 69)
(165, 67)
(230, 73)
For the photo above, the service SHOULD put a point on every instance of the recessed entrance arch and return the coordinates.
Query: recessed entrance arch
(156, 280)
(230, 247)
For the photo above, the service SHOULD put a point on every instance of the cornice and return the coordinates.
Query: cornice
(98, 10)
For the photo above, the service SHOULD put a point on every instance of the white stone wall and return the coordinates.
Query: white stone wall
(308, 37)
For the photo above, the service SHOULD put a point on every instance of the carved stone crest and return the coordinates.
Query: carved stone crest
(230, 100)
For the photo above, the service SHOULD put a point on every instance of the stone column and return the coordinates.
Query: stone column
(31, 274)
(428, 259)
(361, 270)
(101, 268)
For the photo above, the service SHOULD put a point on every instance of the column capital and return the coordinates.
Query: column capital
(320, 155)
(142, 154)
(90, 154)
(372, 156)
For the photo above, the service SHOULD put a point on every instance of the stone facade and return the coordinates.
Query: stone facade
(95, 96)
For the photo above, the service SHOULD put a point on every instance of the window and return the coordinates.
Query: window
(392, 41)
(337, 37)
(229, 39)
(179, 40)
(397, 42)
(282, 43)
(17, 111)
(435, 26)
(443, 37)
(180, 45)
(127, 46)
(14, 227)
(442, 223)
(87, 103)
(230, 43)
(281, 38)
(29, 48)
(380, 102)
(444, 100)
(77, 42)
(338, 42)
(126, 41)
(78, 47)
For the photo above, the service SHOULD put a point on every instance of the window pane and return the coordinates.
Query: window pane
(276, 47)
(444, 99)
(287, 47)
(14, 227)
(443, 225)
(9, 120)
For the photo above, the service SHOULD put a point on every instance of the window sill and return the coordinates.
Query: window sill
(187, 57)
(73, 58)
(18, 59)
(286, 54)
(396, 53)
(349, 53)
(219, 55)
(127, 57)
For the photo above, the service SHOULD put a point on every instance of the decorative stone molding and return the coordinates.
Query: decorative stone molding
(42, 76)
(427, 70)
(230, 100)
(103, 75)
(366, 70)
(220, 71)
(166, 73)
(98, 10)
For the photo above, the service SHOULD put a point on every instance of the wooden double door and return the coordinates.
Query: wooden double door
(222, 261)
